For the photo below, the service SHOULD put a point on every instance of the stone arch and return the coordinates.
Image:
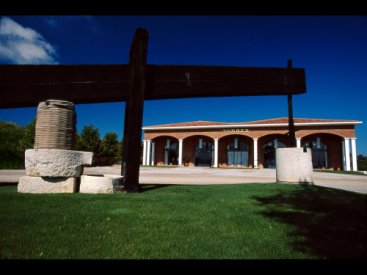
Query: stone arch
(165, 150)
(231, 155)
(198, 150)
(327, 150)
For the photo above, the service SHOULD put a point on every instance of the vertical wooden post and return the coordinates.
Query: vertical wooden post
(134, 112)
(292, 133)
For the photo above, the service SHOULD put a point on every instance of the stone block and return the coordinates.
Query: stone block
(98, 184)
(294, 165)
(56, 162)
(46, 185)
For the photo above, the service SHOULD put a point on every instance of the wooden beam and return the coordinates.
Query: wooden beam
(27, 85)
(292, 132)
(166, 81)
(134, 113)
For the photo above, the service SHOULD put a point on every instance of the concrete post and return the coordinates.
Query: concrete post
(215, 153)
(255, 153)
(294, 165)
(148, 152)
(144, 152)
(343, 150)
(347, 154)
(180, 145)
(298, 142)
(354, 154)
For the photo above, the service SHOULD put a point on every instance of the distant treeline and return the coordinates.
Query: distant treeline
(15, 139)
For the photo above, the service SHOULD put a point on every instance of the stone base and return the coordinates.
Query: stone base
(46, 185)
(56, 162)
(103, 184)
(294, 165)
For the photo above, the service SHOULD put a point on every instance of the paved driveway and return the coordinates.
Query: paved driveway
(205, 176)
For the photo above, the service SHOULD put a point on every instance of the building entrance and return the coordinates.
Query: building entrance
(237, 153)
(204, 152)
(171, 152)
(319, 153)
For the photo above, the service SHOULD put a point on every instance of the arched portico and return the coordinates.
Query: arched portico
(198, 151)
(162, 150)
(236, 151)
(327, 150)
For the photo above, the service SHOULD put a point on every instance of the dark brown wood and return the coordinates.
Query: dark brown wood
(27, 85)
(292, 132)
(134, 113)
(165, 81)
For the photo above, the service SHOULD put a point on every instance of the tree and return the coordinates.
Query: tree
(27, 141)
(109, 149)
(10, 155)
(89, 140)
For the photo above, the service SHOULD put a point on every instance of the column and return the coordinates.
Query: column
(298, 142)
(180, 145)
(255, 153)
(354, 154)
(144, 152)
(148, 152)
(153, 152)
(347, 154)
(215, 153)
(343, 149)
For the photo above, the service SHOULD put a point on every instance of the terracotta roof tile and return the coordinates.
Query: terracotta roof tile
(264, 121)
(191, 123)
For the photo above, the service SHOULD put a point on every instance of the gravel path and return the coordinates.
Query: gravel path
(205, 176)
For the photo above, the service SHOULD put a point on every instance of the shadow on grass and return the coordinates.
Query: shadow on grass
(149, 187)
(327, 222)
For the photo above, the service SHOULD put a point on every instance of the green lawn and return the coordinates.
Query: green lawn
(246, 221)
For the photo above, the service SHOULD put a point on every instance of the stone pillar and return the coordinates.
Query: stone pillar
(354, 154)
(153, 152)
(215, 153)
(298, 142)
(148, 152)
(255, 153)
(294, 165)
(180, 145)
(144, 152)
(347, 154)
(343, 150)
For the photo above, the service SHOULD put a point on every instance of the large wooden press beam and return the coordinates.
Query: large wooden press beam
(27, 85)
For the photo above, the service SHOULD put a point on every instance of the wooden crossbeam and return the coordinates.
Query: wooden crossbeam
(27, 85)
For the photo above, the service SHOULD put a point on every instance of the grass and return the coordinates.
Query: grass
(249, 221)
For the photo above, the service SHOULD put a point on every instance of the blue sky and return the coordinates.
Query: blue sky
(332, 49)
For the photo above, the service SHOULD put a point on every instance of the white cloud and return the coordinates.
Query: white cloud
(21, 45)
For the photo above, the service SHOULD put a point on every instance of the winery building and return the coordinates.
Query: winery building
(250, 144)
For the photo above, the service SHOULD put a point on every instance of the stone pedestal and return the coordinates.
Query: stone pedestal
(56, 162)
(46, 185)
(294, 165)
(99, 184)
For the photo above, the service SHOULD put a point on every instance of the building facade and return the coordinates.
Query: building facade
(250, 144)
